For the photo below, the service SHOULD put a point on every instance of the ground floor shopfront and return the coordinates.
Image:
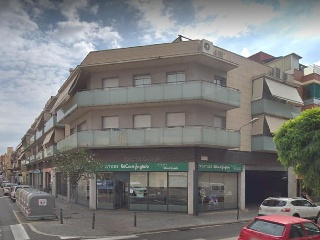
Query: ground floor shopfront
(189, 179)
(174, 187)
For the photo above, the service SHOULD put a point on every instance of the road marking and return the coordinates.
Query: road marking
(115, 238)
(19, 233)
(17, 217)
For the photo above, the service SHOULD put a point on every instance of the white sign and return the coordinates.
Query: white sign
(42, 202)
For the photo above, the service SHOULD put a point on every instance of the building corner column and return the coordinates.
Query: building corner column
(242, 189)
(191, 169)
(93, 192)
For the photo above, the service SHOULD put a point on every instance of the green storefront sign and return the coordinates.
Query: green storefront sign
(217, 167)
(146, 167)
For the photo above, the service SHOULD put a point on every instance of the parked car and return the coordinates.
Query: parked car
(7, 188)
(14, 190)
(280, 227)
(297, 207)
(3, 183)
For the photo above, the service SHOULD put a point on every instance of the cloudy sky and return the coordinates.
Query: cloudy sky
(41, 39)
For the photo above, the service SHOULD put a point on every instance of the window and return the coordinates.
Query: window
(219, 122)
(176, 119)
(175, 77)
(142, 121)
(311, 229)
(219, 80)
(142, 80)
(270, 228)
(110, 122)
(296, 231)
(82, 126)
(110, 83)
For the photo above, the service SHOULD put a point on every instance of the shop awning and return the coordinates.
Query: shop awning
(64, 93)
(284, 92)
(21, 156)
(274, 123)
(48, 137)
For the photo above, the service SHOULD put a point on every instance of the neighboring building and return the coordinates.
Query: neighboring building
(5, 164)
(170, 122)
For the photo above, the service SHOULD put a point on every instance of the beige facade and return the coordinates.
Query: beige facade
(183, 102)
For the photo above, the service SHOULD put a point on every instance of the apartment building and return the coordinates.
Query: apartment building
(183, 126)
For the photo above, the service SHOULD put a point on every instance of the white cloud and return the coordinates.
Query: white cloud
(70, 8)
(245, 52)
(154, 19)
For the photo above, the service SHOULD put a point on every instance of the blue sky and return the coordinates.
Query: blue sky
(41, 39)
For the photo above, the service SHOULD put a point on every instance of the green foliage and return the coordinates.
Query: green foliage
(298, 146)
(76, 165)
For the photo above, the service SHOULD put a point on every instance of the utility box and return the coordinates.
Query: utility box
(35, 204)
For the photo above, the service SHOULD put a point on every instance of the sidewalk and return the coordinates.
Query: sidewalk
(121, 222)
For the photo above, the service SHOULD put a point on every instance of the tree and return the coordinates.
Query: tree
(76, 165)
(298, 146)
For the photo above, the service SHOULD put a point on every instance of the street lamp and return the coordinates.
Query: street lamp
(251, 121)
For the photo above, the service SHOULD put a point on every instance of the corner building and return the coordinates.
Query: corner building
(183, 126)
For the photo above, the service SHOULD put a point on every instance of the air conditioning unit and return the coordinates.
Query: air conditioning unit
(218, 53)
(276, 72)
(207, 47)
(284, 76)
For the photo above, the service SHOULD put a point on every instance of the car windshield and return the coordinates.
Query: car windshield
(274, 203)
(270, 228)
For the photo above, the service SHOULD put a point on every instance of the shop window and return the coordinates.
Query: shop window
(178, 191)
(217, 191)
(157, 191)
(138, 191)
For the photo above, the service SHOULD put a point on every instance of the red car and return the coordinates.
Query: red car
(280, 227)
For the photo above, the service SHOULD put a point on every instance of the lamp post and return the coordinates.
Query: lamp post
(242, 176)
(251, 121)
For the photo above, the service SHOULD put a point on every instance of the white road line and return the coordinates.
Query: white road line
(115, 238)
(19, 233)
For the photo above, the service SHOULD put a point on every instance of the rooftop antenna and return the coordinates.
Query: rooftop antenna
(179, 38)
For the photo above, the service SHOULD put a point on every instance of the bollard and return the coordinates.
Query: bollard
(135, 219)
(93, 220)
(238, 213)
(61, 216)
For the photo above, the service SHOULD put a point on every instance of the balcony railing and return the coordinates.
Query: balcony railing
(274, 108)
(263, 144)
(39, 134)
(179, 136)
(312, 101)
(192, 90)
(39, 155)
(49, 151)
(49, 124)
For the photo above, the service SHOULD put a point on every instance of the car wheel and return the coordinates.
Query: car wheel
(296, 215)
(317, 220)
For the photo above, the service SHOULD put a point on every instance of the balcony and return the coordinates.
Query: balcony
(273, 108)
(179, 136)
(49, 151)
(312, 101)
(263, 144)
(50, 124)
(225, 98)
(39, 134)
(39, 155)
